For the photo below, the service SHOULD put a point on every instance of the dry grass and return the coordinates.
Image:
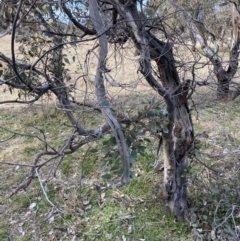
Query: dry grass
(87, 214)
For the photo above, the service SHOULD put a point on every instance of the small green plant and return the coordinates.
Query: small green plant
(151, 121)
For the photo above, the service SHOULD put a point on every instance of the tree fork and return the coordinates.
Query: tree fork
(175, 152)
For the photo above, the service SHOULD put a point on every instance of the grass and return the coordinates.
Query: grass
(134, 212)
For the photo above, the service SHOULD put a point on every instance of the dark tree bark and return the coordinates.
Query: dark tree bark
(183, 129)
(178, 140)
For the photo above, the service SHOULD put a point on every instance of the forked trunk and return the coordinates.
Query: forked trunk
(176, 145)
(178, 139)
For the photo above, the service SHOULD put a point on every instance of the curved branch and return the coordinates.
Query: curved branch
(101, 92)
(13, 47)
(21, 101)
(74, 21)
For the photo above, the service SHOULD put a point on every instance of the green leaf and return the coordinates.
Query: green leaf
(131, 127)
(112, 141)
(215, 190)
(108, 155)
(30, 53)
(193, 219)
(114, 168)
(21, 49)
(133, 156)
(105, 103)
(106, 176)
(106, 142)
(130, 140)
(230, 230)
(165, 130)
(102, 164)
(194, 209)
(132, 174)
(141, 133)
(68, 78)
(205, 217)
(227, 189)
(142, 148)
(133, 135)
(66, 60)
(105, 149)
(147, 140)
(93, 150)
(150, 114)
(114, 156)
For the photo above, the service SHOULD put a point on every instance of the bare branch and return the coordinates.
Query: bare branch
(74, 21)
(101, 93)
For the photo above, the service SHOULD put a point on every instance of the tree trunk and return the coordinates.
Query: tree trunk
(178, 140)
(183, 129)
(223, 88)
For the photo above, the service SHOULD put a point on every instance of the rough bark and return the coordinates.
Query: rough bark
(177, 141)
(183, 129)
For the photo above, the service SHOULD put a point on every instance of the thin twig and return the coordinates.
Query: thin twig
(45, 194)
(211, 169)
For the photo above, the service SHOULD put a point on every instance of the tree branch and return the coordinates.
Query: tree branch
(101, 93)
(74, 21)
